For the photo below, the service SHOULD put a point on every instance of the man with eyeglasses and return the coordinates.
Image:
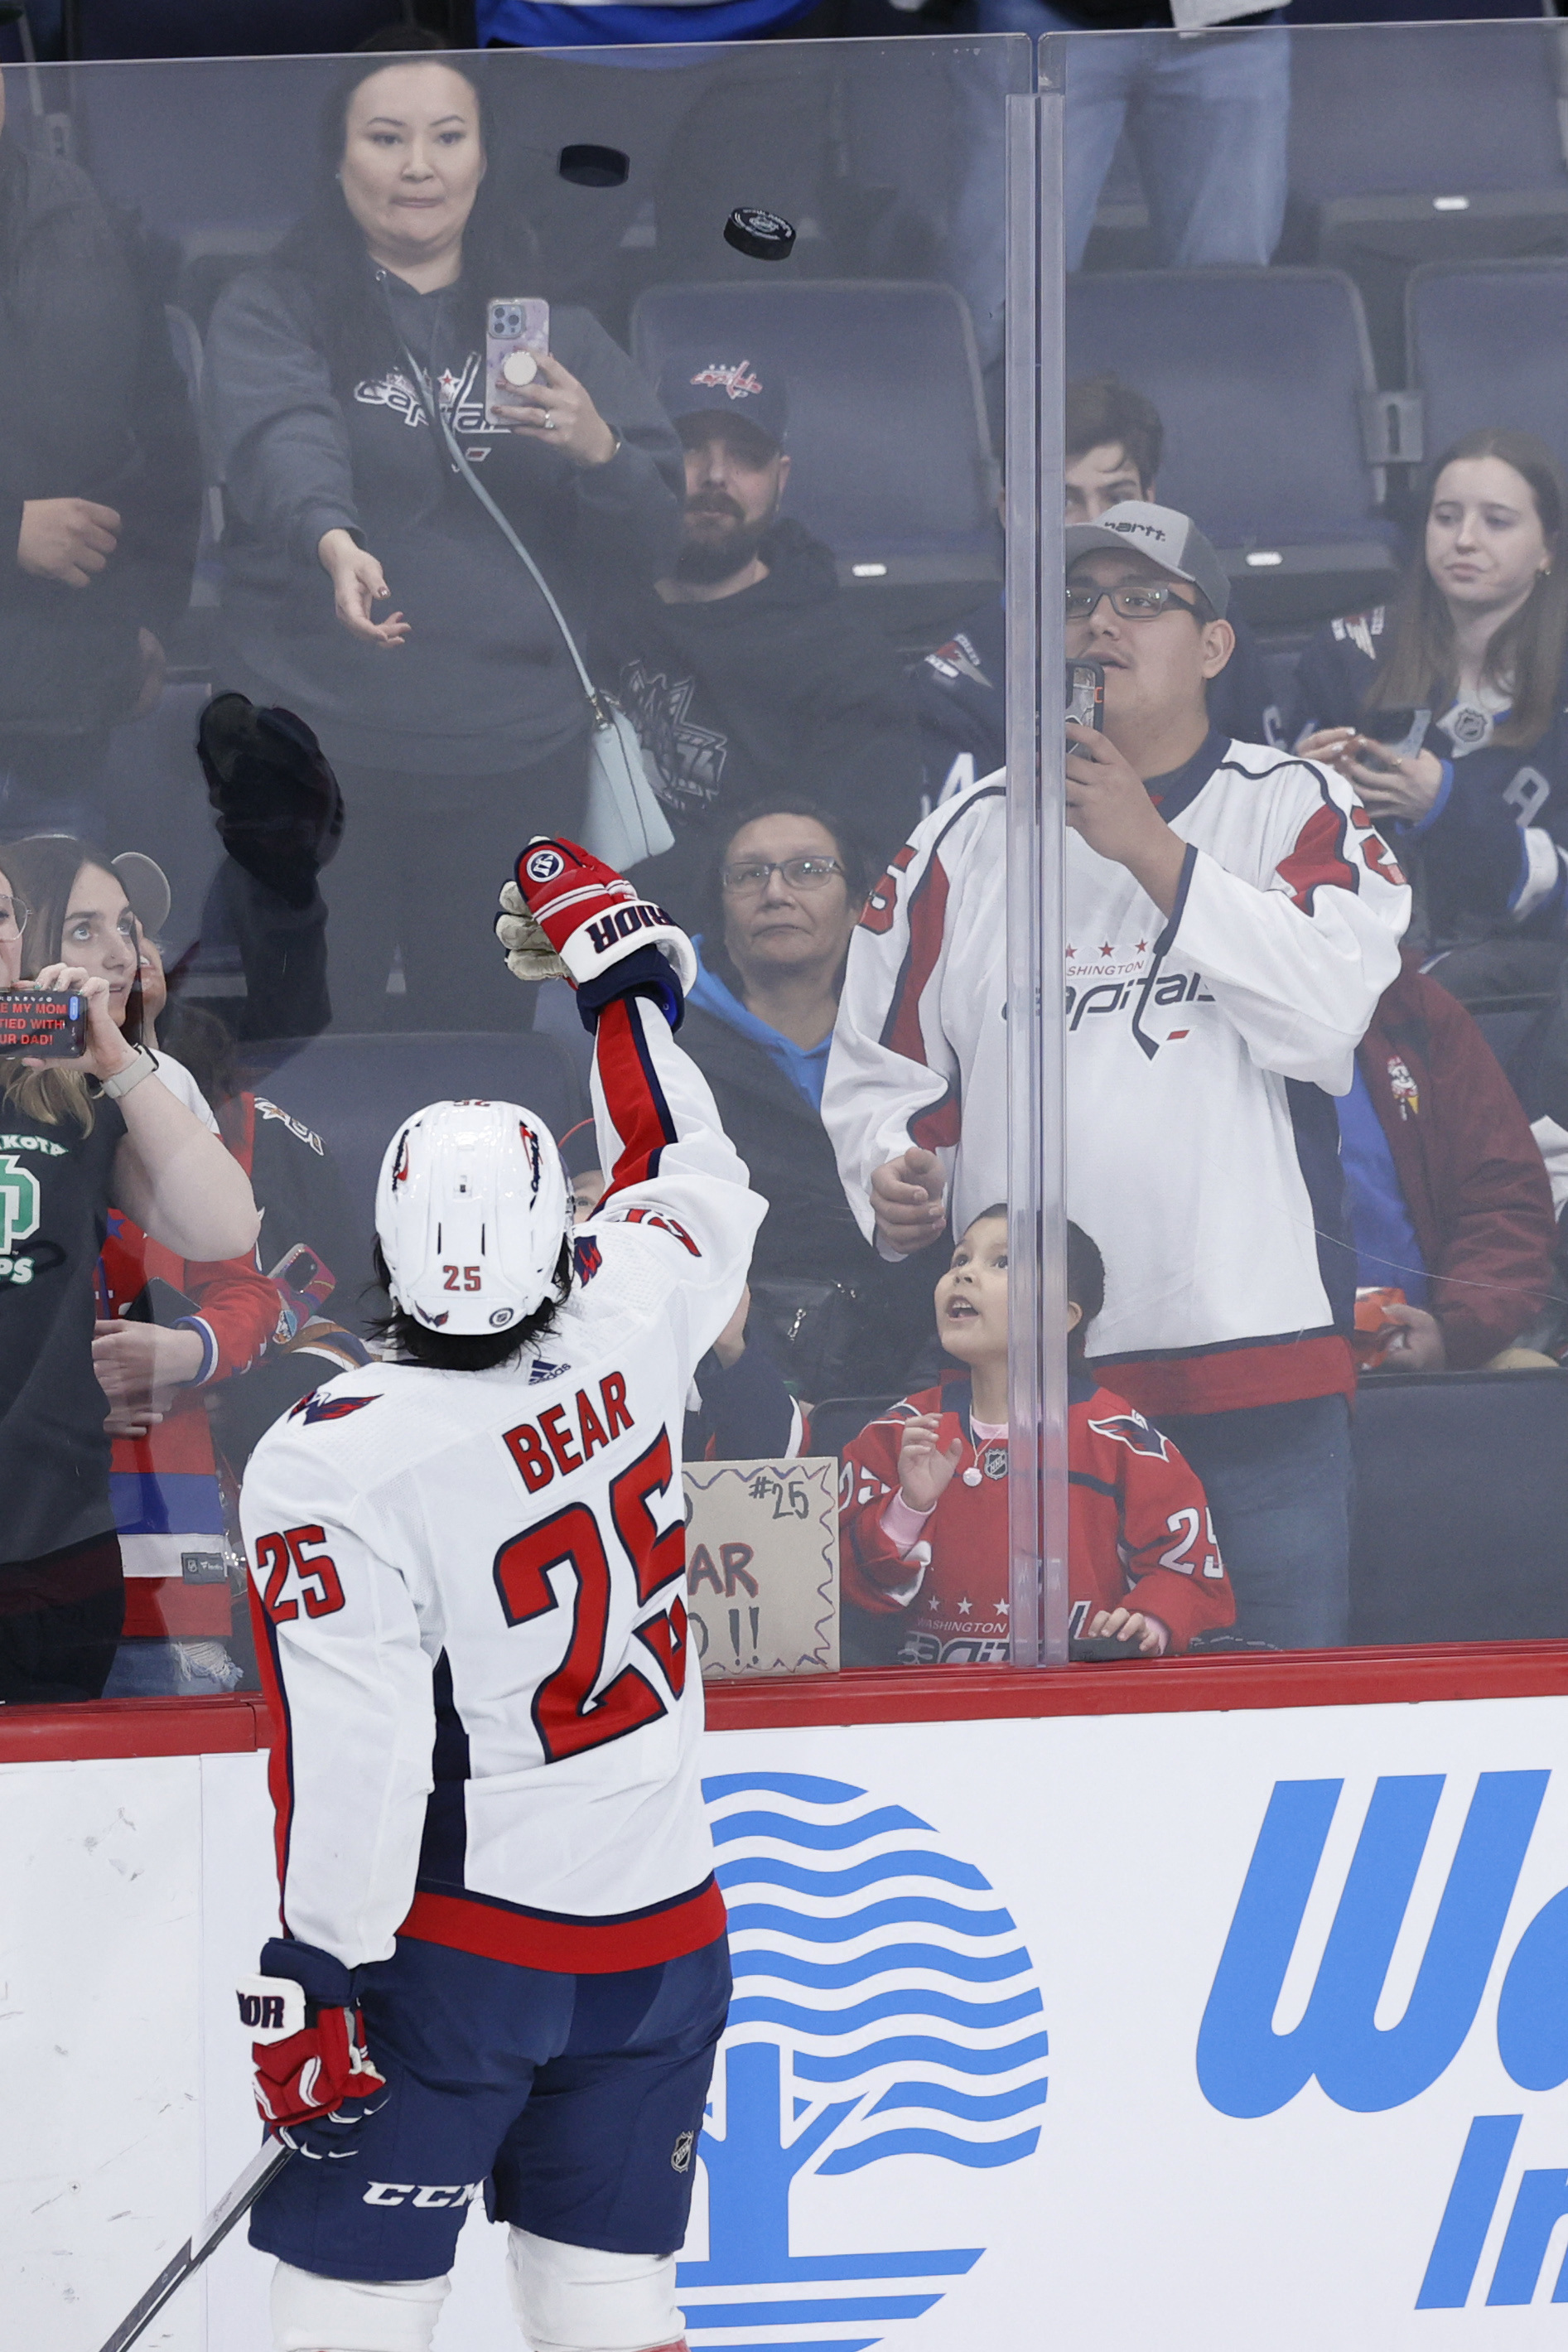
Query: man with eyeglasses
(1231, 918)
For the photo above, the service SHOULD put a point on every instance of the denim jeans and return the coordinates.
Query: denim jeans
(1279, 1482)
(146, 1667)
(1207, 116)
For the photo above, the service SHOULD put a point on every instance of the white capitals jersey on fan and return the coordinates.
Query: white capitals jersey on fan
(1201, 1051)
(468, 1589)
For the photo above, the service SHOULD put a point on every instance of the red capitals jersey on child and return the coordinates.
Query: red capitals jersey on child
(1139, 1533)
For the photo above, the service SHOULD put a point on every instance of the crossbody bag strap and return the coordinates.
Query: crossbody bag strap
(432, 410)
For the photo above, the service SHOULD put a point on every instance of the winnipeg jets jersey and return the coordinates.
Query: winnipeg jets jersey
(1201, 1052)
(468, 1589)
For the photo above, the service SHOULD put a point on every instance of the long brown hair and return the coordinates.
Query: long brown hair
(1526, 654)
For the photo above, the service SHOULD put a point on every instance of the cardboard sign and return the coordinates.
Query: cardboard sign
(762, 1566)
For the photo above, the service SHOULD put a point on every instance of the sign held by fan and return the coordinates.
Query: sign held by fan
(762, 1566)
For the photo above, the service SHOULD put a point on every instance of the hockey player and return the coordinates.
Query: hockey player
(1232, 918)
(503, 1969)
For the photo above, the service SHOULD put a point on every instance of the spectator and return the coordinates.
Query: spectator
(457, 723)
(79, 1137)
(1448, 1193)
(100, 491)
(786, 884)
(1114, 443)
(1466, 679)
(924, 1525)
(1232, 920)
(745, 671)
(168, 1330)
(1207, 113)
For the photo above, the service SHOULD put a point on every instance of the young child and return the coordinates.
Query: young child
(923, 1499)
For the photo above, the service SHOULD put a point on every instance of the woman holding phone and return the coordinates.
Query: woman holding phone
(1447, 711)
(81, 1137)
(366, 587)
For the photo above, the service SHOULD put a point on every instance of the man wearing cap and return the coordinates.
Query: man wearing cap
(1231, 918)
(746, 670)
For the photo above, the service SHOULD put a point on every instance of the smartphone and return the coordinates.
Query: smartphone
(159, 1302)
(305, 1276)
(1085, 696)
(517, 337)
(47, 1023)
(1401, 733)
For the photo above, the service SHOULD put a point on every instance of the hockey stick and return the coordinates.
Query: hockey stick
(232, 2206)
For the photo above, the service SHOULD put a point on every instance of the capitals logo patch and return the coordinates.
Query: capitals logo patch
(586, 1258)
(320, 1408)
(1130, 1429)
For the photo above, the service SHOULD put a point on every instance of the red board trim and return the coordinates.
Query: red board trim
(1390, 1677)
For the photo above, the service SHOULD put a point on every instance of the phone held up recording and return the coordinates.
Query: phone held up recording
(517, 337)
(49, 1024)
(1085, 697)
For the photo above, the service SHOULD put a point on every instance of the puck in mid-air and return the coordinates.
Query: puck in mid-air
(766, 236)
(594, 167)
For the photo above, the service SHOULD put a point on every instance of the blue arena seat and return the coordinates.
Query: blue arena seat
(1262, 378)
(1487, 344)
(1408, 147)
(353, 1090)
(893, 463)
(1461, 1531)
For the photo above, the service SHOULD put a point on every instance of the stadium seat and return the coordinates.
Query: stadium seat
(1460, 1530)
(1411, 147)
(1263, 378)
(838, 1419)
(1487, 344)
(226, 28)
(353, 1090)
(893, 463)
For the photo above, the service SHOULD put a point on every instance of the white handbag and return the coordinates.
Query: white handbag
(623, 821)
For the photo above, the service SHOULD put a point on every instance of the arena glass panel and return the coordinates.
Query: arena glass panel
(1313, 1019)
(776, 305)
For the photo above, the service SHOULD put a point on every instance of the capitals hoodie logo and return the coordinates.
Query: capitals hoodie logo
(320, 1408)
(885, 2006)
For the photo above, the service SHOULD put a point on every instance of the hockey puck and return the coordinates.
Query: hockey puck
(766, 236)
(594, 167)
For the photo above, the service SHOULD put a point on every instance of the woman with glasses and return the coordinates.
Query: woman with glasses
(785, 893)
(81, 1137)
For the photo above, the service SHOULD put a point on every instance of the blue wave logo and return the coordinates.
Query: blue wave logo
(886, 2007)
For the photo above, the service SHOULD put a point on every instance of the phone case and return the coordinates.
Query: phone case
(517, 336)
(48, 1023)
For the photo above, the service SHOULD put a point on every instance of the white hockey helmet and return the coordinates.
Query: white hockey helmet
(472, 1208)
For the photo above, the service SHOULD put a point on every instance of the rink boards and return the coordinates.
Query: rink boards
(1090, 2032)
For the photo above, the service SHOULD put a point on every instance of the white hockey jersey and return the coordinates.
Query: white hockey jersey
(1201, 1054)
(468, 1590)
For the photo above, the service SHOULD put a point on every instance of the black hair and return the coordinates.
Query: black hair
(468, 1352)
(847, 847)
(1085, 1288)
(327, 248)
(1102, 409)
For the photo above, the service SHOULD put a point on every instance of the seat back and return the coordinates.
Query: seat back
(1487, 344)
(1461, 1531)
(216, 156)
(892, 461)
(837, 1419)
(1458, 108)
(1259, 375)
(226, 28)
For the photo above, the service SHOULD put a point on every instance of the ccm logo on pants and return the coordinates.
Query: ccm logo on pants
(405, 2192)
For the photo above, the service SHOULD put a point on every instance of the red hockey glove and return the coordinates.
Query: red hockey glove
(314, 2080)
(566, 903)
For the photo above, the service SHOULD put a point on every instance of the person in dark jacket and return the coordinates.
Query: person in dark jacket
(1449, 711)
(1114, 440)
(1448, 1193)
(367, 587)
(100, 491)
(745, 669)
(784, 894)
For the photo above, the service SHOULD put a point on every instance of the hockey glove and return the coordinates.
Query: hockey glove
(315, 2084)
(567, 912)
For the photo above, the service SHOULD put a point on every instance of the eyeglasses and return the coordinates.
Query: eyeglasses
(1132, 602)
(13, 919)
(801, 873)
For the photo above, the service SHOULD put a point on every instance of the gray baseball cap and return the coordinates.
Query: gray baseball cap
(1172, 540)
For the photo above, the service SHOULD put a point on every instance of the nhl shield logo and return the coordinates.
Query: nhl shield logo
(680, 2154)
